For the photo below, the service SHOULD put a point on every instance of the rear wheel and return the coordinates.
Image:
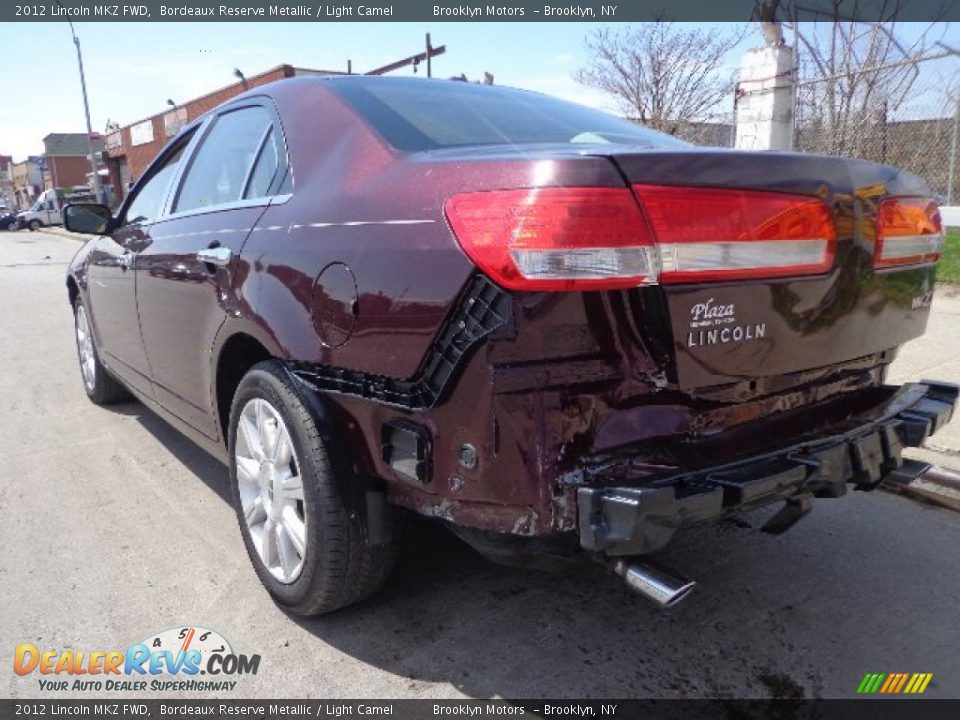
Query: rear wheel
(99, 385)
(301, 526)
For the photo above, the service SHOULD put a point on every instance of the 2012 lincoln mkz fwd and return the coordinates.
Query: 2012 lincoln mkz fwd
(557, 332)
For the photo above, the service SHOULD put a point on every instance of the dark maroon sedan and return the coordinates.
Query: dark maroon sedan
(559, 333)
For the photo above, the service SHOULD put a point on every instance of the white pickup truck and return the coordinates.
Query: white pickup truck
(48, 208)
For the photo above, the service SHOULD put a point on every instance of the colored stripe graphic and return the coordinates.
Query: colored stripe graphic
(891, 682)
(919, 683)
(894, 683)
(903, 679)
(870, 683)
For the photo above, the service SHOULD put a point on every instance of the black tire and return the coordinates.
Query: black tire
(102, 388)
(339, 565)
(34, 225)
(11, 226)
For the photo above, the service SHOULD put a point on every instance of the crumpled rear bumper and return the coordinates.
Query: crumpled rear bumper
(641, 520)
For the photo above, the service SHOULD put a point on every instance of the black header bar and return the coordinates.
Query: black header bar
(468, 11)
(132, 707)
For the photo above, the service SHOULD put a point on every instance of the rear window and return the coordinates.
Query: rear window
(414, 115)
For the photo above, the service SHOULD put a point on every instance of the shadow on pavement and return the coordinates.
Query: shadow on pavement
(207, 468)
(778, 617)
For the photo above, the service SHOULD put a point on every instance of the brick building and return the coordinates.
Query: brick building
(130, 149)
(66, 159)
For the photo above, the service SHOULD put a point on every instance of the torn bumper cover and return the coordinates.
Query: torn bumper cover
(641, 520)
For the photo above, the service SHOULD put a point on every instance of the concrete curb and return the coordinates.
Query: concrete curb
(57, 230)
(950, 215)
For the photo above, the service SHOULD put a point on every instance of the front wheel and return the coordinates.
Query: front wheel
(301, 524)
(99, 385)
(34, 225)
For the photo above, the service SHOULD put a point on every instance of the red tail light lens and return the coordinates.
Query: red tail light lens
(718, 234)
(599, 238)
(909, 232)
(555, 238)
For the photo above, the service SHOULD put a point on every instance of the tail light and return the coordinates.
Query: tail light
(599, 238)
(718, 234)
(909, 232)
(555, 238)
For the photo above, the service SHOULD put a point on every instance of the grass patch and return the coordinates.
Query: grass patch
(949, 268)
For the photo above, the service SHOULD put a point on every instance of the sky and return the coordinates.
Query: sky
(133, 68)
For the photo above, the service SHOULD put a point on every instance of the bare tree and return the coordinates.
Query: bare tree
(857, 63)
(662, 74)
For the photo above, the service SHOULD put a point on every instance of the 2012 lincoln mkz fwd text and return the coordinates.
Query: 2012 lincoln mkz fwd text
(558, 333)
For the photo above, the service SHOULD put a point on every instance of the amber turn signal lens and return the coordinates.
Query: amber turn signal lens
(909, 232)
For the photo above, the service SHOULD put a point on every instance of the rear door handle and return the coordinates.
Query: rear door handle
(125, 259)
(219, 256)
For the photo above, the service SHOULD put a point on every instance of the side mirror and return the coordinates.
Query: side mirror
(87, 218)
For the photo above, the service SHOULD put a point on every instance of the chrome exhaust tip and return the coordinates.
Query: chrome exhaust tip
(656, 583)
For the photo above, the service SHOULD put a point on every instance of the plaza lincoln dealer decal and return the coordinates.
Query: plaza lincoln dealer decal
(168, 661)
(713, 323)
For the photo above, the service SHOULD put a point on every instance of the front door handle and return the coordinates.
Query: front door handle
(125, 259)
(219, 256)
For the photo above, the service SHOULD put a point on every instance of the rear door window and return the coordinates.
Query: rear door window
(265, 168)
(221, 167)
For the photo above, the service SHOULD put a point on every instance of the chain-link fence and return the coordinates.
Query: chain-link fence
(913, 124)
(905, 114)
(716, 132)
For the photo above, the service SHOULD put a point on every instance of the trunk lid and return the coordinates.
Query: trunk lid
(722, 332)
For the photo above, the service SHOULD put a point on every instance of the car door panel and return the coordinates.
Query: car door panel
(112, 276)
(183, 302)
(182, 299)
(111, 289)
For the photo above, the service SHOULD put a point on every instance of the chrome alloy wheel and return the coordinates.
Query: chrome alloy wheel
(88, 359)
(271, 489)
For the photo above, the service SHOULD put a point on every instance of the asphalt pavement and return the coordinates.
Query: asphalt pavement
(114, 527)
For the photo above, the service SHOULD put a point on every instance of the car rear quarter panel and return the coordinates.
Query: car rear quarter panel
(358, 202)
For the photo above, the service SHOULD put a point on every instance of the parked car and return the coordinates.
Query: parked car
(47, 210)
(8, 220)
(560, 334)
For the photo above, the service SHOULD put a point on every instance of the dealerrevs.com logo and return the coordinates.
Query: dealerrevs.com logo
(172, 660)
